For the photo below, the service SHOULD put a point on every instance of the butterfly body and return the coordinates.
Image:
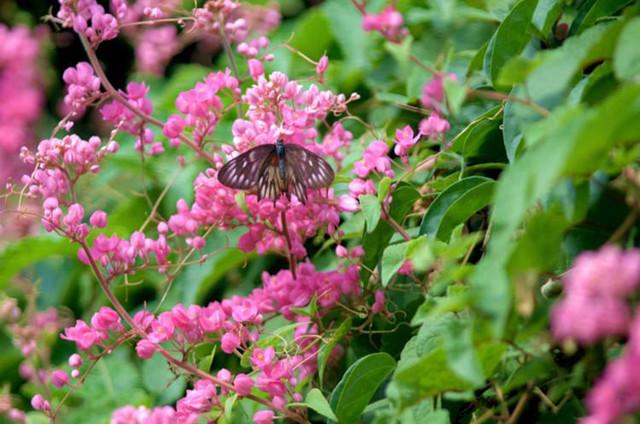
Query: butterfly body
(276, 169)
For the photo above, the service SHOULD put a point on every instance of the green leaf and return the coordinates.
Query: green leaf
(354, 43)
(310, 36)
(158, 379)
(316, 401)
(396, 254)
(430, 374)
(374, 243)
(461, 353)
(546, 14)
(593, 10)
(510, 39)
(626, 58)
(455, 205)
(481, 140)
(549, 84)
(371, 209)
(392, 259)
(326, 349)
(31, 250)
(359, 384)
(455, 93)
(401, 53)
(383, 188)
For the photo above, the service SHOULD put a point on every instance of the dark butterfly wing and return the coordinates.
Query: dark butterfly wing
(270, 184)
(309, 169)
(245, 171)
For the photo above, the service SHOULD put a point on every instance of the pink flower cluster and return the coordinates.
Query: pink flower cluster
(121, 116)
(88, 18)
(22, 95)
(210, 17)
(202, 105)
(617, 393)
(143, 415)
(596, 290)
(102, 322)
(236, 324)
(119, 256)
(60, 162)
(389, 23)
(82, 87)
(31, 331)
(155, 47)
(374, 159)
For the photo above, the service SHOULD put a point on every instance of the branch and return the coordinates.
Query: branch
(495, 95)
(111, 91)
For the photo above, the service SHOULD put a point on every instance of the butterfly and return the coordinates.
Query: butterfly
(276, 169)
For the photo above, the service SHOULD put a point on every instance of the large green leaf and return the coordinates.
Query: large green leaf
(359, 384)
(510, 39)
(626, 59)
(455, 205)
(29, 251)
(443, 357)
(551, 80)
(316, 401)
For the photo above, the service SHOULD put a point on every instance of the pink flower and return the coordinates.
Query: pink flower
(40, 404)
(75, 361)
(173, 127)
(404, 140)
(212, 317)
(243, 384)
(145, 349)
(229, 342)
(59, 378)
(594, 305)
(83, 87)
(617, 393)
(106, 319)
(162, 329)
(374, 159)
(263, 417)
(155, 47)
(589, 318)
(243, 310)
(610, 270)
(378, 305)
(433, 91)
(262, 358)
(255, 68)
(98, 219)
(388, 23)
(434, 125)
(143, 319)
(406, 268)
(322, 65)
(83, 335)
